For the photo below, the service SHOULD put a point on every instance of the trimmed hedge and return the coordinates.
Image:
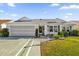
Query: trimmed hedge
(74, 33)
(4, 32)
(69, 33)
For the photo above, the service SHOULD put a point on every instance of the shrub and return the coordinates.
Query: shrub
(70, 33)
(50, 35)
(75, 32)
(61, 34)
(4, 32)
(66, 34)
(56, 36)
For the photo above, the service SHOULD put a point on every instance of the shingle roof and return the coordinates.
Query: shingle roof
(25, 19)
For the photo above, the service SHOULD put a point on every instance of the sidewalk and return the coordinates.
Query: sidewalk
(35, 50)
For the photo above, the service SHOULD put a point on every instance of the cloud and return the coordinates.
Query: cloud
(11, 4)
(55, 4)
(66, 16)
(14, 15)
(1, 11)
(69, 14)
(70, 7)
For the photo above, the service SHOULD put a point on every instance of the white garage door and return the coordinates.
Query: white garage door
(22, 31)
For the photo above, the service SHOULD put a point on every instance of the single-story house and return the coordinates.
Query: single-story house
(76, 26)
(27, 27)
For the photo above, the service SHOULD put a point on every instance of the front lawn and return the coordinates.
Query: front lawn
(67, 47)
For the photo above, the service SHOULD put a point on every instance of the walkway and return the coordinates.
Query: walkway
(32, 47)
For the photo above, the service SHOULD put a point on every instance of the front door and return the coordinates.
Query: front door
(41, 30)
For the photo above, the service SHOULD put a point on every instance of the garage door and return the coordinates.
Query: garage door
(22, 31)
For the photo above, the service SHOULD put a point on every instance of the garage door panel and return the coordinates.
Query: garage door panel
(22, 31)
(15, 34)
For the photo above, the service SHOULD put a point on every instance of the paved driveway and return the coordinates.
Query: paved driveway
(20, 46)
(10, 47)
(33, 47)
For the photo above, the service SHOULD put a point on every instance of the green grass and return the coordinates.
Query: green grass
(67, 47)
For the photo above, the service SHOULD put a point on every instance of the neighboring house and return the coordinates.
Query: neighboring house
(76, 26)
(27, 27)
(3, 23)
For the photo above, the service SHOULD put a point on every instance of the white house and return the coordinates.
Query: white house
(27, 27)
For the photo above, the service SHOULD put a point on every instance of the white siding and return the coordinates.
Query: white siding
(21, 30)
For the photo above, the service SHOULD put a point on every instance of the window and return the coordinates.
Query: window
(51, 28)
(55, 28)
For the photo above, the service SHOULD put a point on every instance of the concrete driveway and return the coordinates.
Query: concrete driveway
(20, 46)
(33, 47)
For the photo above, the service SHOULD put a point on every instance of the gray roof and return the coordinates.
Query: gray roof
(25, 19)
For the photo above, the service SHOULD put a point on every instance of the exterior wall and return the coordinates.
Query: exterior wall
(47, 29)
(61, 28)
(28, 28)
(76, 26)
(67, 27)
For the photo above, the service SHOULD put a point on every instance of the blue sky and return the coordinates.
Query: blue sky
(65, 11)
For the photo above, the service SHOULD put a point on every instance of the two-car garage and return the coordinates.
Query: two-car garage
(28, 30)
